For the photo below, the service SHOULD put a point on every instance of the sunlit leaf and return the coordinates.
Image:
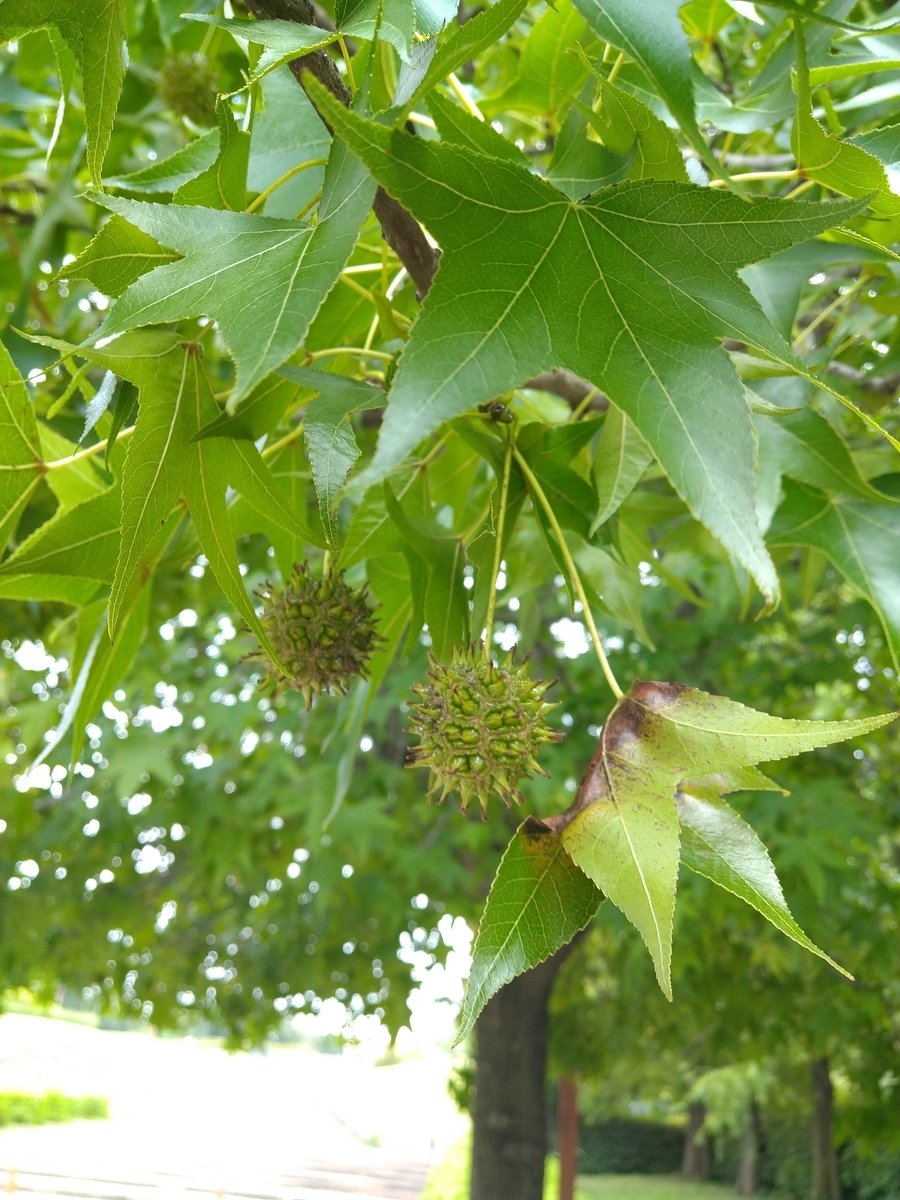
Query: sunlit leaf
(628, 255)
(538, 902)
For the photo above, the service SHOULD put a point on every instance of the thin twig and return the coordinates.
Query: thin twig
(498, 551)
(537, 491)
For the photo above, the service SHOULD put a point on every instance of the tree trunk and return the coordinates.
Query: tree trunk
(509, 1138)
(567, 1138)
(695, 1162)
(751, 1151)
(826, 1182)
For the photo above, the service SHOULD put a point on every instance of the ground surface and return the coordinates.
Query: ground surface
(189, 1120)
(448, 1181)
(649, 1187)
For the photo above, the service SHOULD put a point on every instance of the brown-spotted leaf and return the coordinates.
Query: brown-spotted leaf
(623, 829)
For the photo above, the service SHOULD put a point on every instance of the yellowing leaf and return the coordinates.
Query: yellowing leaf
(623, 828)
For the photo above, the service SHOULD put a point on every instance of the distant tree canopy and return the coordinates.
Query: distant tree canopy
(365, 367)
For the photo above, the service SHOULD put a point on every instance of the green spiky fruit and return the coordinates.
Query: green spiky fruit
(188, 87)
(322, 631)
(481, 726)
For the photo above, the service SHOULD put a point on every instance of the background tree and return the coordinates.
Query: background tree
(590, 405)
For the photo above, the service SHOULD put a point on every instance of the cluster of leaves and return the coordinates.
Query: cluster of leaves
(745, 995)
(599, 237)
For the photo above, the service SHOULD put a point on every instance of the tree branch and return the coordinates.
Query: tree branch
(401, 230)
(568, 387)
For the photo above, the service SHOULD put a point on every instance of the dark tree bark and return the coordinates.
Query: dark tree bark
(747, 1183)
(567, 1137)
(401, 230)
(826, 1182)
(509, 1142)
(695, 1161)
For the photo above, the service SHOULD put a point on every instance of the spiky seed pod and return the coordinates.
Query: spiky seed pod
(322, 631)
(187, 86)
(481, 726)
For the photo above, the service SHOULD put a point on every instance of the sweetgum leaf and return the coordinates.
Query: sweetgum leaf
(622, 458)
(330, 440)
(163, 465)
(623, 827)
(717, 843)
(538, 901)
(466, 42)
(631, 289)
(652, 34)
(836, 164)
(224, 183)
(95, 33)
(862, 540)
(262, 278)
(446, 607)
(283, 40)
(20, 447)
(117, 256)
(78, 541)
(806, 447)
(170, 173)
(57, 589)
(549, 69)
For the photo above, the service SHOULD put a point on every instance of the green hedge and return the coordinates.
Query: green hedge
(20, 1109)
(619, 1146)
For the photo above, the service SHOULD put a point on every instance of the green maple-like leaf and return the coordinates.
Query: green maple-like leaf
(78, 541)
(622, 458)
(20, 447)
(651, 33)
(538, 902)
(862, 540)
(95, 33)
(330, 441)
(117, 256)
(164, 465)
(261, 278)
(848, 169)
(631, 289)
(717, 843)
(624, 830)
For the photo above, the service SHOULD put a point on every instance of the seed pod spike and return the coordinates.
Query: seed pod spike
(481, 725)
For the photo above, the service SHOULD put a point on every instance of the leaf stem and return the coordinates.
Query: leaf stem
(537, 491)
(754, 176)
(89, 452)
(310, 204)
(498, 550)
(582, 408)
(268, 451)
(359, 351)
(263, 196)
(841, 299)
(345, 54)
(74, 384)
(464, 98)
(616, 67)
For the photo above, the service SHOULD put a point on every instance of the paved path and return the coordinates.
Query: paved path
(190, 1121)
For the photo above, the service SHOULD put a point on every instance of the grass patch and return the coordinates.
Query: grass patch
(21, 1109)
(649, 1187)
(449, 1180)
